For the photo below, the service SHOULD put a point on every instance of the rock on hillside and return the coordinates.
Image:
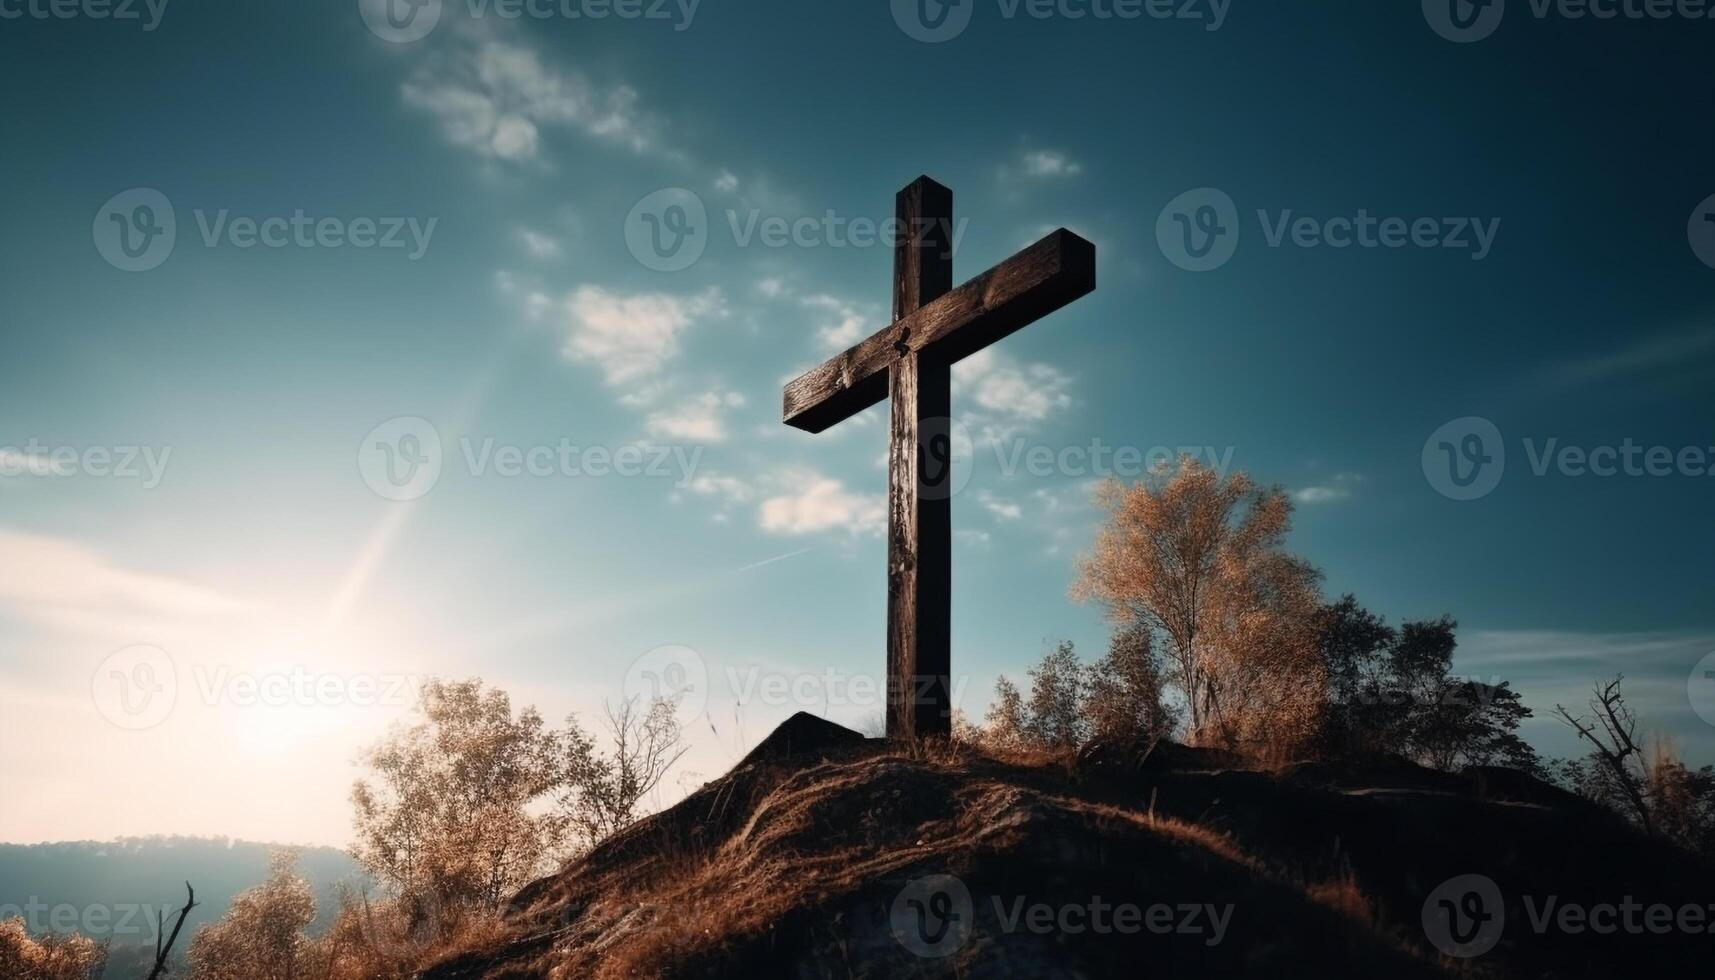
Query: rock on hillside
(827, 855)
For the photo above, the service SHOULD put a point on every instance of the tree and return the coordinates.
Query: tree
(1616, 748)
(448, 820)
(1681, 799)
(475, 801)
(601, 794)
(1125, 699)
(1393, 691)
(1055, 716)
(1654, 790)
(1470, 723)
(48, 957)
(1353, 642)
(1201, 558)
(1119, 698)
(262, 935)
(1006, 723)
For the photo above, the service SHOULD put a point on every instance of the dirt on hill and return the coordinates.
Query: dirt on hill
(825, 855)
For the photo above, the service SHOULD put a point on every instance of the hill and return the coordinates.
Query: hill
(827, 855)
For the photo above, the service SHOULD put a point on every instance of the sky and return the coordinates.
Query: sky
(349, 346)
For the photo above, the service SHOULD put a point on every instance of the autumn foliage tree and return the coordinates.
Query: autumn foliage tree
(1201, 559)
(262, 936)
(48, 957)
(446, 818)
(1118, 699)
(476, 800)
(1126, 700)
(1054, 716)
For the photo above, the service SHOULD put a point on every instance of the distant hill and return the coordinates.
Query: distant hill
(109, 890)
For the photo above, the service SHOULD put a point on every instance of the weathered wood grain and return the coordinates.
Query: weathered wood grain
(919, 508)
(1037, 281)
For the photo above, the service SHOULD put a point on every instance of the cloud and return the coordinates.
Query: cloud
(1004, 510)
(730, 489)
(844, 326)
(539, 245)
(65, 583)
(698, 420)
(771, 287)
(815, 503)
(1339, 487)
(1560, 666)
(1050, 163)
(631, 337)
(1319, 495)
(1009, 396)
(727, 182)
(1649, 354)
(494, 98)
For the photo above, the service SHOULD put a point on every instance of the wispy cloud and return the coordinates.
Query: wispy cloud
(1049, 163)
(64, 583)
(725, 487)
(843, 324)
(1335, 489)
(1003, 510)
(1653, 353)
(1009, 396)
(1550, 667)
(495, 97)
(538, 244)
(1310, 496)
(700, 420)
(813, 503)
(631, 336)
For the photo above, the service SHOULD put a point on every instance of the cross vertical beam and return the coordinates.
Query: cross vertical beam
(910, 361)
(919, 474)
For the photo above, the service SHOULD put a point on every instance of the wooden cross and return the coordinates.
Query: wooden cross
(910, 362)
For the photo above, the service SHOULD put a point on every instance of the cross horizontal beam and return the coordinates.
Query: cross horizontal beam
(1025, 288)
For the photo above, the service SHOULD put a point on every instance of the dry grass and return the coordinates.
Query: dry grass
(1344, 895)
(778, 861)
(822, 834)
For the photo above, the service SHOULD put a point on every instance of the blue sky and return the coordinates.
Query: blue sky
(511, 154)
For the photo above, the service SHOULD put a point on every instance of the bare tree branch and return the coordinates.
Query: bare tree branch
(162, 952)
(1617, 745)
